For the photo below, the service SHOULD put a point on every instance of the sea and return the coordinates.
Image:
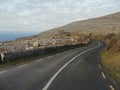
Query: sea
(8, 35)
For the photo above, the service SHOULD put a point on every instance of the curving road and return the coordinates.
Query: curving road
(77, 69)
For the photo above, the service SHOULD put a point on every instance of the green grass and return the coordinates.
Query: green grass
(111, 56)
(111, 62)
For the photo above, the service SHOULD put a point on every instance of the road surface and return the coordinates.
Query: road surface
(76, 69)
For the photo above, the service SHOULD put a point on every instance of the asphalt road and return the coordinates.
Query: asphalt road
(76, 69)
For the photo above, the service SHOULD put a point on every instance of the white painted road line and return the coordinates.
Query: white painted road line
(38, 61)
(22, 65)
(103, 75)
(111, 87)
(99, 66)
(2, 72)
(58, 72)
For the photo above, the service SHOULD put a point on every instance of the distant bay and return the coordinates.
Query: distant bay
(7, 35)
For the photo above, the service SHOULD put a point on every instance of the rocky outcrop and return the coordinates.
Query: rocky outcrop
(22, 48)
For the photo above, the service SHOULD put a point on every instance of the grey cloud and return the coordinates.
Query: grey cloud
(42, 15)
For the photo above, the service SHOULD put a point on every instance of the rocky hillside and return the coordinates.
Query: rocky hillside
(102, 25)
(73, 33)
(38, 41)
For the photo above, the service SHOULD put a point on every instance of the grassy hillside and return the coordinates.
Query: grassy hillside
(97, 26)
(111, 56)
(102, 25)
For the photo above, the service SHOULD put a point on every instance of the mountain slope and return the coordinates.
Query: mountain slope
(103, 25)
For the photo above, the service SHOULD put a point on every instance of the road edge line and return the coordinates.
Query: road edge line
(57, 73)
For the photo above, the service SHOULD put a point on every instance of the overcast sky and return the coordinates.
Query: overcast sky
(41, 15)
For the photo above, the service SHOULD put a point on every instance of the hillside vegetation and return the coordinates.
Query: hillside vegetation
(111, 56)
(102, 25)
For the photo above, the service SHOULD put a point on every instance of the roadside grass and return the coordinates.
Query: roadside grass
(111, 55)
(111, 61)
